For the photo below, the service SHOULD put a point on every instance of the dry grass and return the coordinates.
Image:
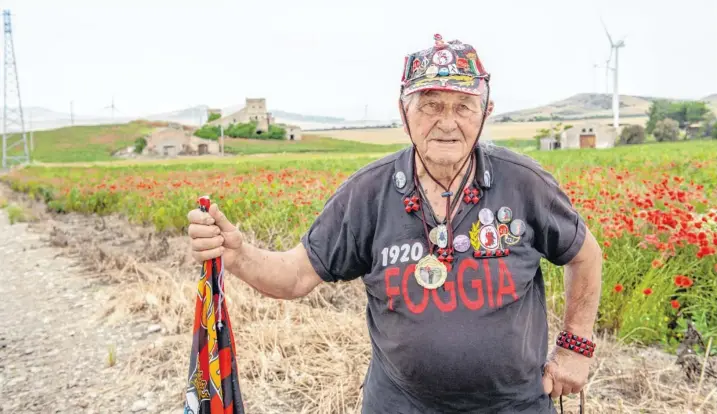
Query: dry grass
(309, 355)
(494, 131)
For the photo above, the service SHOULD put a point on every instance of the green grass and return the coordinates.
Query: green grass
(309, 143)
(97, 143)
(16, 214)
(85, 143)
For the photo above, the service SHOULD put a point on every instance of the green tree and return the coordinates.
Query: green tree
(658, 111)
(139, 145)
(632, 134)
(666, 130)
(213, 117)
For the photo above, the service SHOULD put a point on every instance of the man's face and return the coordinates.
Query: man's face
(444, 125)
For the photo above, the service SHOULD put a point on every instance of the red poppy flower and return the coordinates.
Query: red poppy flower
(675, 304)
(647, 291)
(618, 288)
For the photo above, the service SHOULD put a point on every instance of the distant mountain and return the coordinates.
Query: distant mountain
(308, 118)
(711, 101)
(582, 106)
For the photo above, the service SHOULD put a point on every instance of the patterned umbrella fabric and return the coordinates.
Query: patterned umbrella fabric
(213, 383)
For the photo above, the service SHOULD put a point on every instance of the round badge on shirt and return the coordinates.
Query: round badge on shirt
(461, 243)
(485, 216)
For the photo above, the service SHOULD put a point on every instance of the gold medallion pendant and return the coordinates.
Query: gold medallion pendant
(430, 272)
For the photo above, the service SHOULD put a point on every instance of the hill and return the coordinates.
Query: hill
(582, 106)
(93, 143)
(711, 101)
(85, 143)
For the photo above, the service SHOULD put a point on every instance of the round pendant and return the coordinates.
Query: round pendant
(430, 273)
(442, 236)
(433, 235)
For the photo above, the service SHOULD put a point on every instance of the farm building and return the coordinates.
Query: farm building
(254, 110)
(588, 135)
(549, 144)
(172, 141)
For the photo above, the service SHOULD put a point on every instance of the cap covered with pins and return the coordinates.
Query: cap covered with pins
(448, 66)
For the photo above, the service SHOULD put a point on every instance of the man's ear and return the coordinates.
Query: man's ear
(403, 118)
(490, 108)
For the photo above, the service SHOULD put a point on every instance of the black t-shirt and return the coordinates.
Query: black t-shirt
(479, 343)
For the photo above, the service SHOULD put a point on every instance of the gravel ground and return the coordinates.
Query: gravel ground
(55, 347)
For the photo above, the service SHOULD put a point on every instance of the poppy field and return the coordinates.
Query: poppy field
(653, 208)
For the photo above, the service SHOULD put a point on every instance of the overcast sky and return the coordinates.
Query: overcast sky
(327, 58)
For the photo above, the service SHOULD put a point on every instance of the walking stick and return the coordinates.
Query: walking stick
(213, 383)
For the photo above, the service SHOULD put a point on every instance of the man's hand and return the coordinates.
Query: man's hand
(213, 235)
(566, 372)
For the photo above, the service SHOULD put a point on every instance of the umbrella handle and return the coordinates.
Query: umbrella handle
(204, 204)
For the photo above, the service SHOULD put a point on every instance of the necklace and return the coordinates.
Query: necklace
(454, 203)
(431, 272)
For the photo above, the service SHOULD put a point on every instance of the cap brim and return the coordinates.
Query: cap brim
(454, 83)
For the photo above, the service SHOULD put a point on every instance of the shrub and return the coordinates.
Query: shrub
(632, 134)
(16, 214)
(666, 130)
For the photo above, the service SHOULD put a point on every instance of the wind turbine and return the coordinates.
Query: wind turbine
(113, 107)
(614, 47)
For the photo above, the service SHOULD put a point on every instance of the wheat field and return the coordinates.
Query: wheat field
(493, 131)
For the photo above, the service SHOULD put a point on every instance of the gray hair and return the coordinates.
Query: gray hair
(407, 100)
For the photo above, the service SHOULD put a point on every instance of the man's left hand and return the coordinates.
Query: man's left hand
(566, 372)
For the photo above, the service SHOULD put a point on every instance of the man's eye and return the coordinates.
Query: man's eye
(431, 107)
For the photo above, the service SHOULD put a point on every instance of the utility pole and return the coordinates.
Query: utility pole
(221, 129)
(12, 92)
(72, 112)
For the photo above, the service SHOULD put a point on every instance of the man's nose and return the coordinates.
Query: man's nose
(447, 123)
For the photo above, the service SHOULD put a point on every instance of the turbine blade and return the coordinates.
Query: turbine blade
(606, 32)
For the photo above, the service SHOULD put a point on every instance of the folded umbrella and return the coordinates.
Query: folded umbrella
(213, 383)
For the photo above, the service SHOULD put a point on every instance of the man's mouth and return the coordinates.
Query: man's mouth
(447, 141)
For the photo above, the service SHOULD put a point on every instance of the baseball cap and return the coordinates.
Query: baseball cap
(447, 66)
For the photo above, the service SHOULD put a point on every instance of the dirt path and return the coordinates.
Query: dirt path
(54, 347)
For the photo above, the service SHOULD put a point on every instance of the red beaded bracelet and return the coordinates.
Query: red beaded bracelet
(572, 342)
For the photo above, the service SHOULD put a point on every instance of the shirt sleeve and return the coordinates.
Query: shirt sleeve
(562, 230)
(338, 249)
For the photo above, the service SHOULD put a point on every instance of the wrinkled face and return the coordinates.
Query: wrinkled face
(444, 124)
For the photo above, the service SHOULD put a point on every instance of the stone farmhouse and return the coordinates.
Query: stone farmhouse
(583, 135)
(254, 110)
(174, 140)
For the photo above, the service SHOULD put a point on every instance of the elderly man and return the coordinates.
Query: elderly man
(447, 237)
